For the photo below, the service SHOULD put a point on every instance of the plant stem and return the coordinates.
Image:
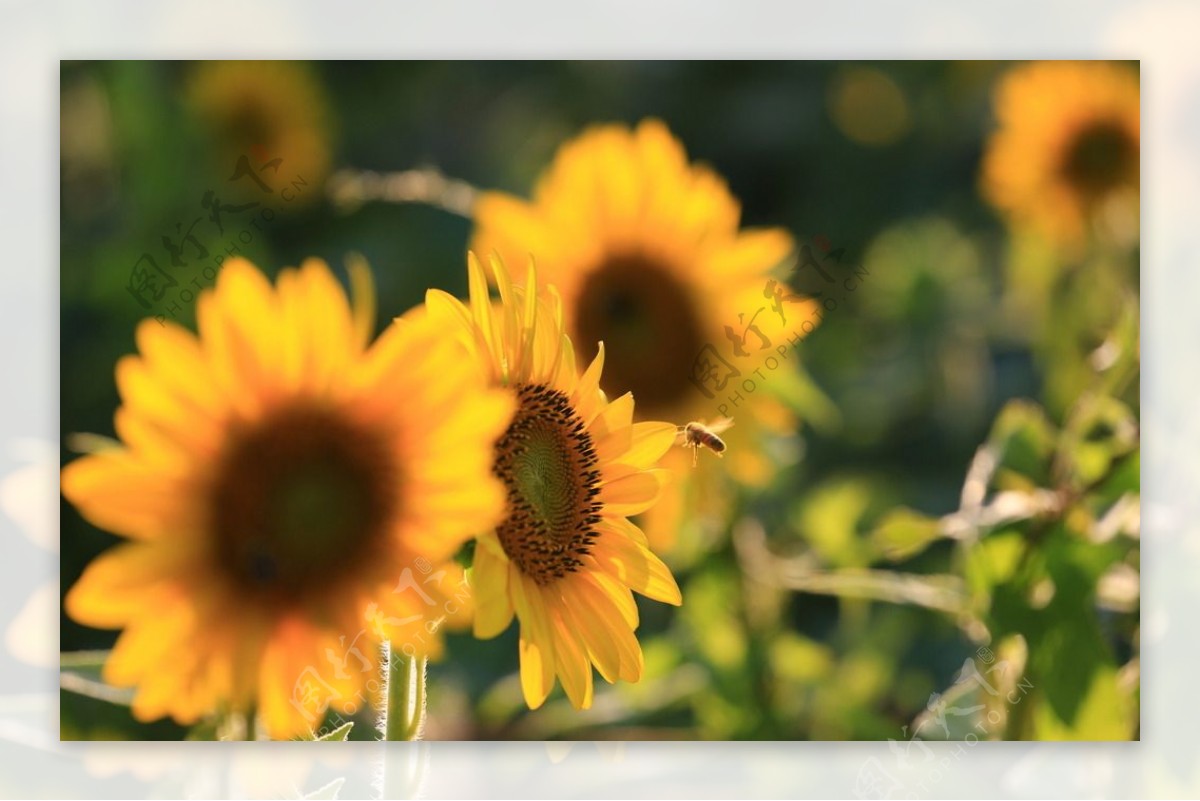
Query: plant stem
(349, 189)
(405, 710)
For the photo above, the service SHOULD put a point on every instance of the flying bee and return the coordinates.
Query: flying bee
(695, 435)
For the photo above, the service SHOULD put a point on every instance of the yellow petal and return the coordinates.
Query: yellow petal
(571, 661)
(617, 592)
(493, 604)
(649, 442)
(636, 566)
(481, 310)
(631, 493)
(608, 634)
(752, 253)
(613, 417)
(146, 393)
(175, 358)
(119, 493)
(528, 322)
(586, 398)
(537, 642)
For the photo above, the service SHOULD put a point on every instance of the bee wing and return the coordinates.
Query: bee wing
(720, 424)
(681, 435)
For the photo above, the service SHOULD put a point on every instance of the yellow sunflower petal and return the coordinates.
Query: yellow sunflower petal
(493, 604)
(637, 567)
(537, 641)
(606, 630)
(616, 592)
(114, 587)
(115, 491)
(649, 442)
(752, 253)
(571, 662)
(586, 397)
(481, 310)
(626, 493)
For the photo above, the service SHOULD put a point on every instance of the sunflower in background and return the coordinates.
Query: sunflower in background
(275, 477)
(265, 110)
(1066, 156)
(565, 558)
(647, 253)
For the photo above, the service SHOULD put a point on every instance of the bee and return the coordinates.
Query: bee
(695, 435)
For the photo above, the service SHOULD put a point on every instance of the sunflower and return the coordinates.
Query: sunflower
(277, 480)
(565, 558)
(648, 255)
(263, 111)
(1067, 151)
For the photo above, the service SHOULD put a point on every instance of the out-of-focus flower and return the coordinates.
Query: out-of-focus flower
(1066, 157)
(647, 253)
(565, 558)
(265, 110)
(869, 107)
(278, 479)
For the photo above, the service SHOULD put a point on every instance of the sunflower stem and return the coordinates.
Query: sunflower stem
(404, 713)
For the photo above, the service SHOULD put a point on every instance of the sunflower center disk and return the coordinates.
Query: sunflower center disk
(548, 467)
(300, 499)
(651, 330)
(1100, 159)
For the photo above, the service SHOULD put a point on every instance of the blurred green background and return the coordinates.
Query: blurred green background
(955, 318)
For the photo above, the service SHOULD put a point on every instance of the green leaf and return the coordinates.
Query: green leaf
(1101, 431)
(340, 734)
(1105, 711)
(1049, 599)
(1024, 439)
(796, 658)
(833, 519)
(904, 533)
(993, 561)
(797, 389)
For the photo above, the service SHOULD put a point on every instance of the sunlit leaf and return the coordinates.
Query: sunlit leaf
(340, 734)
(1024, 439)
(903, 533)
(1106, 711)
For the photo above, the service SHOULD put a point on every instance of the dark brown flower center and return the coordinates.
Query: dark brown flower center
(299, 500)
(249, 124)
(650, 328)
(548, 466)
(1101, 157)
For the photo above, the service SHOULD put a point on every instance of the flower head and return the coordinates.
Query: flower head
(277, 480)
(648, 254)
(1068, 147)
(265, 111)
(564, 559)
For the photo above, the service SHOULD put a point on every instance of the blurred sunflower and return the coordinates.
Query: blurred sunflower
(648, 255)
(1067, 152)
(275, 477)
(565, 557)
(265, 110)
